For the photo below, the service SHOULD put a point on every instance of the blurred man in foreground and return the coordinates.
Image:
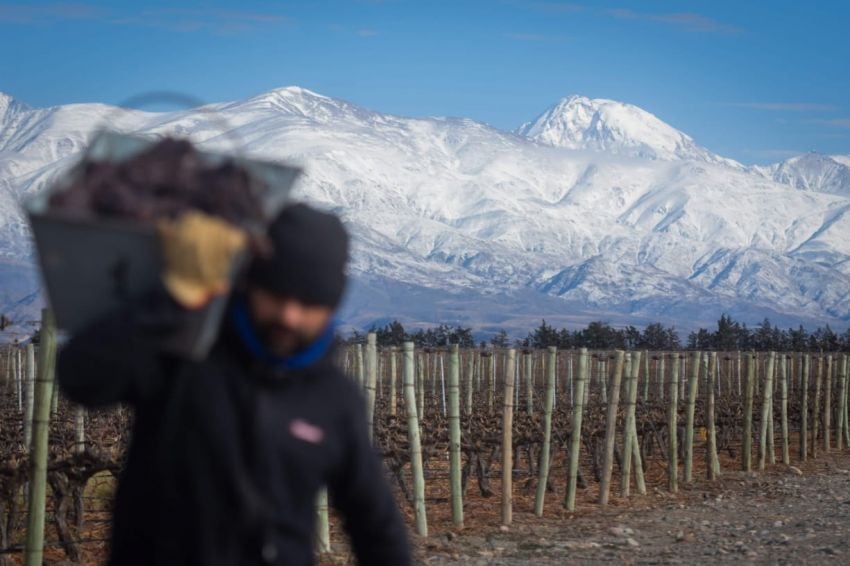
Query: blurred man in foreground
(228, 454)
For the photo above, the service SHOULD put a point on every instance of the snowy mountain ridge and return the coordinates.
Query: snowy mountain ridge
(597, 209)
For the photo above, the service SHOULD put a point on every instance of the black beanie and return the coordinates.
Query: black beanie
(310, 250)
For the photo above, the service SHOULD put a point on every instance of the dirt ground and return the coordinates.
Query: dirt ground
(785, 515)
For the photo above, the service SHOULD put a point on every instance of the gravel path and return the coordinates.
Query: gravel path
(787, 515)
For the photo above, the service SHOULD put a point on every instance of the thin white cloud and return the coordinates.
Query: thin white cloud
(837, 122)
(39, 14)
(366, 32)
(170, 19)
(557, 7)
(686, 21)
(536, 37)
(786, 106)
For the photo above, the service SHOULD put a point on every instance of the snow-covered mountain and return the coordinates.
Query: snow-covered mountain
(456, 221)
(812, 172)
(578, 122)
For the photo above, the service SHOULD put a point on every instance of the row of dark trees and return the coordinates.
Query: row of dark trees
(729, 334)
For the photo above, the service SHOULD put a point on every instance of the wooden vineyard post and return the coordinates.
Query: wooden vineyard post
(371, 379)
(361, 372)
(393, 379)
(816, 414)
(693, 388)
(842, 402)
(626, 469)
(323, 530)
(767, 401)
(660, 372)
(415, 444)
(41, 418)
(827, 404)
(611, 428)
(491, 382)
(507, 439)
(454, 436)
(543, 478)
(645, 376)
(672, 427)
(575, 439)
(470, 370)
(420, 384)
(804, 411)
(783, 372)
(713, 461)
(747, 443)
(529, 388)
(631, 450)
(845, 427)
(80, 430)
(29, 398)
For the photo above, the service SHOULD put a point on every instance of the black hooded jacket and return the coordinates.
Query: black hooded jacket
(227, 456)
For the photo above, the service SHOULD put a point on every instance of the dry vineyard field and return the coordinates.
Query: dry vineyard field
(587, 435)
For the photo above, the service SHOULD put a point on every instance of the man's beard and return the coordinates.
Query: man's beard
(282, 340)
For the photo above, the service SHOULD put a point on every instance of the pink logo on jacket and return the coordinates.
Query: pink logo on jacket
(302, 430)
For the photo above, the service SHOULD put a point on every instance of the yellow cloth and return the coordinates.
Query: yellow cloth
(198, 251)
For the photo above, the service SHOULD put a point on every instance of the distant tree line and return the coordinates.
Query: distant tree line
(728, 335)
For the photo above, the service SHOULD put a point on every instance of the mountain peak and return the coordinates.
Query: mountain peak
(299, 101)
(812, 171)
(579, 122)
(9, 104)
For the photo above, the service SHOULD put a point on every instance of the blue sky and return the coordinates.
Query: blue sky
(756, 81)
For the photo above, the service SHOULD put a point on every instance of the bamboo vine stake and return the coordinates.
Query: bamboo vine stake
(816, 414)
(747, 443)
(543, 478)
(393, 379)
(626, 476)
(371, 380)
(575, 439)
(611, 428)
(507, 439)
(804, 411)
(29, 396)
(693, 388)
(38, 478)
(713, 467)
(672, 428)
(767, 401)
(323, 530)
(415, 444)
(827, 405)
(454, 436)
(783, 371)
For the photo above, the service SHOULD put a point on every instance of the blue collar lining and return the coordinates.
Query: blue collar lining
(307, 357)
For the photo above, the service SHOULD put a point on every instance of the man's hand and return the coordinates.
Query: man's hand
(198, 252)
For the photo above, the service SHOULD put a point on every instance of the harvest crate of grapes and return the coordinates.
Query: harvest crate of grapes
(95, 230)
